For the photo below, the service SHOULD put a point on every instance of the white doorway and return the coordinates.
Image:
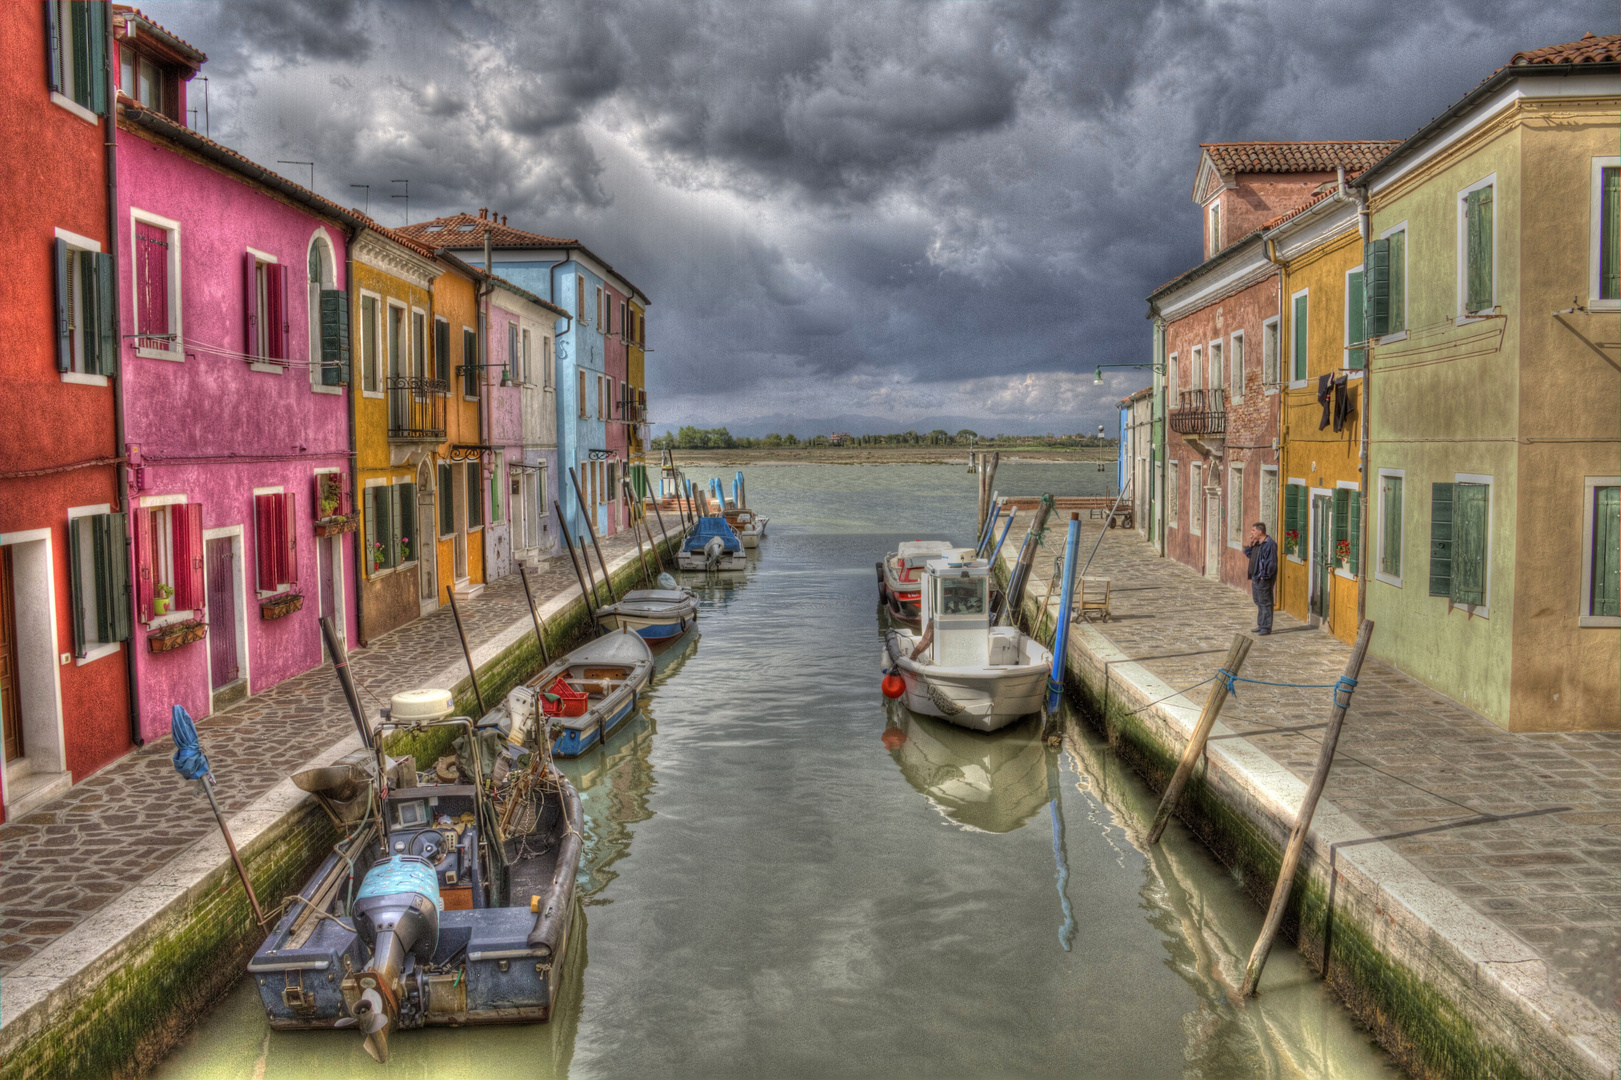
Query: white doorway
(38, 771)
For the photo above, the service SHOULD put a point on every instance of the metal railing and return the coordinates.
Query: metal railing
(416, 408)
(1200, 412)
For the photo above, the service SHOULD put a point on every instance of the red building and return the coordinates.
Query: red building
(1222, 347)
(64, 582)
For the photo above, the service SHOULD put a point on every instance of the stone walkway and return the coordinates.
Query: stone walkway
(68, 858)
(1523, 827)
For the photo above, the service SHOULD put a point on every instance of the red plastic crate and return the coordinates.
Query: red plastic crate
(570, 701)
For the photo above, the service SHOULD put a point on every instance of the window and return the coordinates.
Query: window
(579, 297)
(275, 523)
(169, 561)
(1477, 260)
(1235, 506)
(1235, 361)
(441, 352)
(1347, 553)
(86, 314)
(141, 79)
(1215, 227)
(547, 359)
(265, 292)
(512, 368)
(1269, 355)
(157, 287)
(1269, 501)
(1604, 292)
(474, 486)
(469, 366)
(329, 318)
(600, 326)
(1397, 303)
(77, 43)
(419, 345)
(1196, 499)
(447, 501)
(1299, 326)
(1390, 510)
(1172, 379)
(1173, 508)
(1460, 517)
(1196, 370)
(390, 514)
(608, 395)
(601, 399)
(1295, 506)
(99, 581)
(368, 344)
(523, 360)
(396, 331)
(495, 490)
(583, 413)
(610, 490)
(1601, 587)
(1216, 369)
(1356, 358)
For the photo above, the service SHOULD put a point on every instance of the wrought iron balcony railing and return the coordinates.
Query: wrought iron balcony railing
(416, 408)
(1200, 412)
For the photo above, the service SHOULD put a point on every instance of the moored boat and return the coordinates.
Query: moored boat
(712, 545)
(598, 686)
(960, 667)
(748, 525)
(656, 615)
(900, 575)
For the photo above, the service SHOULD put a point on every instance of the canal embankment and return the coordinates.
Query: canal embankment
(1460, 883)
(123, 917)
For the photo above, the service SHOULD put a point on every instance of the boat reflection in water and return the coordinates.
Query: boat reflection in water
(991, 783)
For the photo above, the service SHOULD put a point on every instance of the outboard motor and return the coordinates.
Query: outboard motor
(668, 582)
(396, 914)
(713, 551)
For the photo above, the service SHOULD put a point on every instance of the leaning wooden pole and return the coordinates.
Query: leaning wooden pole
(1236, 652)
(664, 535)
(630, 519)
(591, 531)
(585, 594)
(472, 672)
(1297, 838)
(534, 613)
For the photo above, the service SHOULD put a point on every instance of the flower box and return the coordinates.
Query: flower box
(173, 636)
(275, 607)
(337, 526)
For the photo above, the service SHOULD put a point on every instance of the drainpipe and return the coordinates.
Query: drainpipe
(564, 463)
(356, 492)
(1269, 248)
(1161, 440)
(1363, 226)
(120, 486)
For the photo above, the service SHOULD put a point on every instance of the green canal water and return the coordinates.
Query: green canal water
(783, 876)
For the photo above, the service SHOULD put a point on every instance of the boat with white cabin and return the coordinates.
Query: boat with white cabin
(900, 575)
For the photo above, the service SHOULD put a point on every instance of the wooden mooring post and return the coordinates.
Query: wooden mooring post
(1236, 652)
(1297, 838)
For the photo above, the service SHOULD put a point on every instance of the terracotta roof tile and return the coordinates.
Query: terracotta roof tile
(126, 9)
(1591, 49)
(1288, 157)
(467, 230)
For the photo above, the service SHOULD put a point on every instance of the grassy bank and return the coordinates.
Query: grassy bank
(884, 455)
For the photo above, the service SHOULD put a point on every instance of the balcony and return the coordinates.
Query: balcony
(416, 409)
(1200, 412)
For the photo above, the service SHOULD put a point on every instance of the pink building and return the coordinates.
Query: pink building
(235, 362)
(619, 418)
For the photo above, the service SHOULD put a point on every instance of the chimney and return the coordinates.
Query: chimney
(483, 212)
(503, 219)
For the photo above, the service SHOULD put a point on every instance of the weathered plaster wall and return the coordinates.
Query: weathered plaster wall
(1257, 198)
(636, 373)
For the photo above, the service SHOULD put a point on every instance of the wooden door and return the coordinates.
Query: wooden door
(222, 657)
(9, 688)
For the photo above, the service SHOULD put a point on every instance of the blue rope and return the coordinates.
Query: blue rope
(1344, 684)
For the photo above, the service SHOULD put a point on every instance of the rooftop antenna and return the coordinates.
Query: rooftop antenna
(206, 133)
(406, 197)
(311, 164)
(368, 196)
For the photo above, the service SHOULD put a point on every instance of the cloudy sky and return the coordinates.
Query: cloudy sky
(884, 209)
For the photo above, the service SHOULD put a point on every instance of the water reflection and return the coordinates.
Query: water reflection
(990, 783)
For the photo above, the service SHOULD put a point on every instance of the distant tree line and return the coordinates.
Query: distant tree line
(696, 438)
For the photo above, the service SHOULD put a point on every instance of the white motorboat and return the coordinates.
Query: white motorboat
(748, 525)
(657, 615)
(965, 670)
(900, 575)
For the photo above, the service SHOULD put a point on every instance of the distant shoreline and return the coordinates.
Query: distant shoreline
(886, 455)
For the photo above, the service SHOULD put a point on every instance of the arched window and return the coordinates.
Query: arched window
(320, 277)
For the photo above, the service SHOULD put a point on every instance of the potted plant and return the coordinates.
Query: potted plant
(377, 554)
(1342, 552)
(1291, 542)
(403, 551)
(176, 635)
(162, 595)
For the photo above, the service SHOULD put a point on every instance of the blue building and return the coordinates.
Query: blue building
(568, 274)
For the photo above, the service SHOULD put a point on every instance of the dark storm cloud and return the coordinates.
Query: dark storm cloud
(894, 208)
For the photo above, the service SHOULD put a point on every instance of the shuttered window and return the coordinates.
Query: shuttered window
(275, 541)
(1397, 290)
(1478, 284)
(380, 527)
(1459, 514)
(1173, 509)
(1609, 265)
(469, 363)
(441, 351)
(1441, 539)
(1341, 525)
(1269, 354)
(1269, 501)
(152, 289)
(334, 337)
(1294, 509)
(1354, 560)
(368, 343)
(1355, 357)
(86, 315)
(1235, 388)
(76, 45)
(1375, 320)
(265, 303)
(1605, 594)
(1300, 329)
(475, 495)
(419, 345)
(1390, 510)
(405, 523)
(446, 500)
(99, 564)
(168, 559)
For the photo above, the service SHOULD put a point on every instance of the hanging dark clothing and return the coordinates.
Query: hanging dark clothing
(1342, 403)
(1325, 398)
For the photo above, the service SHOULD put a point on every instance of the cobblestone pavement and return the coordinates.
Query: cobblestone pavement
(67, 859)
(1523, 827)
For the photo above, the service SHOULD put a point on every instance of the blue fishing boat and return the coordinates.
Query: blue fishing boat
(597, 686)
(657, 615)
(712, 545)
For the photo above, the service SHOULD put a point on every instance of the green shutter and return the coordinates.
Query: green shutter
(447, 507)
(475, 495)
(1397, 292)
(1375, 289)
(96, 41)
(1355, 530)
(89, 318)
(407, 529)
(1469, 503)
(106, 318)
(1355, 331)
(441, 350)
(1606, 598)
(76, 584)
(64, 308)
(1478, 216)
(1291, 511)
(79, 27)
(368, 516)
(1610, 234)
(112, 577)
(1298, 361)
(334, 337)
(1390, 516)
(1341, 522)
(53, 44)
(1441, 539)
(386, 526)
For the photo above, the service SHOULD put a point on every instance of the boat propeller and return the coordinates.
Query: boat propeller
(371, 1016)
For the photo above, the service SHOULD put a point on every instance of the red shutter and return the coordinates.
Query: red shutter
(343, 497)
(152, 282)
(143, 563)
(281, 333)
(188, 556)
(264, 541)
(289, 547)
(250, 272)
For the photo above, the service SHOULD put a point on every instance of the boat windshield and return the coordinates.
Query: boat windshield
(962, 596)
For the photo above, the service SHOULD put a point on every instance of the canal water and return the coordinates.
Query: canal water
(784, 875)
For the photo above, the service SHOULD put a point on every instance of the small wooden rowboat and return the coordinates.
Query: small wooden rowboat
(748, 525)
(657, 615)
(598, 686)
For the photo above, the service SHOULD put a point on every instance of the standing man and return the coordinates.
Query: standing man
(1262, 552)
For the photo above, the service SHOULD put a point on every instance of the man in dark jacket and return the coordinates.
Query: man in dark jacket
(1262, 552)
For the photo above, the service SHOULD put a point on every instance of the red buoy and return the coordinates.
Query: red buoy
(894, 685)
(894, 738)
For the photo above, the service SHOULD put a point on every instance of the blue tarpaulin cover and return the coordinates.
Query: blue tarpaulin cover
(708, 527)
(189, 758)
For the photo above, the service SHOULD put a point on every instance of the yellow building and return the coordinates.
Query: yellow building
(636, 377)
(460, 483)
(1320, 435)
(398, 411)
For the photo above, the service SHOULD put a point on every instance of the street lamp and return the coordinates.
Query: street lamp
(1158, 369)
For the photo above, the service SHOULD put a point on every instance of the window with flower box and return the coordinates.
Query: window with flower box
(168, 560)
(391, 527)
